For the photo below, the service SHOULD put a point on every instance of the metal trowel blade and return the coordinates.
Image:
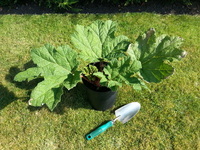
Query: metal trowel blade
(128, 111)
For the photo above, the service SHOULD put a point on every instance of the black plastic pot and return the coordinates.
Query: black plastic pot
(102, 99)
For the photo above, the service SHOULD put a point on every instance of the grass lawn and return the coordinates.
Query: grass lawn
(169, 115)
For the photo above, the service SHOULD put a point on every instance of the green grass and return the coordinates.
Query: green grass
(169, 116)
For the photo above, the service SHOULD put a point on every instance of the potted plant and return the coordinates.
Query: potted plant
(103, 62)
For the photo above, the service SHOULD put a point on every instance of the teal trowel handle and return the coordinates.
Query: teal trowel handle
(99, 130)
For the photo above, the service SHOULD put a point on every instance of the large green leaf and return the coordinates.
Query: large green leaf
(154, 52)
(29, 74)
(120, 71)
(72, 80)
(156, 70)
(97, 41)
(48, 92)
(58, 67)
(55, 61)
(50, 61)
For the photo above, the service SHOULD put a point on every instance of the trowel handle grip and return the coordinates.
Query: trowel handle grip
(99, 130)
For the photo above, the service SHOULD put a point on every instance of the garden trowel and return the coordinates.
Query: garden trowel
(123, 114)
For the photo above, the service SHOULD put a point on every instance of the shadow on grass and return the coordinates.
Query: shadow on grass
(75, 98)
(24, 84)
(6, 97)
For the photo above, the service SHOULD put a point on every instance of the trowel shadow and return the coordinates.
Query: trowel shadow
(115, 108)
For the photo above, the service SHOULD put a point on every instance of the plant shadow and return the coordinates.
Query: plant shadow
(74, 98)
(6, 97)
(13, 71)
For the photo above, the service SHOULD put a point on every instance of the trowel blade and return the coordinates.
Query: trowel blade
(128, 111)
